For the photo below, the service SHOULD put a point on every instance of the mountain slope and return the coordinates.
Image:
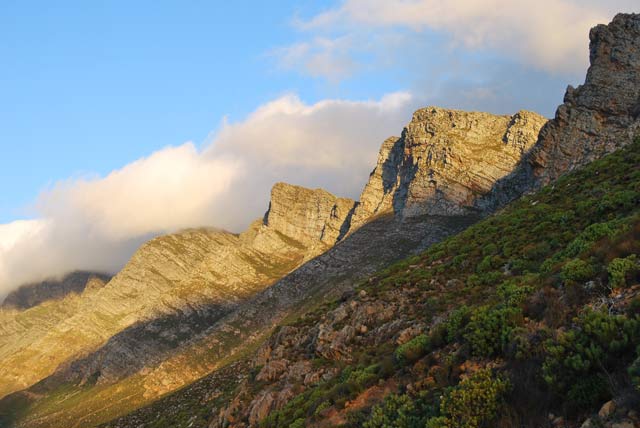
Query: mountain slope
(512, 306)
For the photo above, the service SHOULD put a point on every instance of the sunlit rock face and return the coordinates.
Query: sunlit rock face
(308, 215)
(601, 115)
(445, 160)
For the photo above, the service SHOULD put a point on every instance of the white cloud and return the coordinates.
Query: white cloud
(96, 223)
(549, 35)
(319, 57)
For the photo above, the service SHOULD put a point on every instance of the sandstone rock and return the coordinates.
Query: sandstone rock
(588, 424)
(308, 216)
(623, 424)
(607, 409)
(272, 370)
(601, 115)
(261, 406)
(299, 370)
(408, 334)
(444, 161)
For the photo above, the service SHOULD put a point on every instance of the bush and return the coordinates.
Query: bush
(413, 350)
(588, 392)
(489, 329)
(577, 270)
(457, 321)
(298, 423)
(400, 411)
(598, 344)
(473, 403)
(620, 269)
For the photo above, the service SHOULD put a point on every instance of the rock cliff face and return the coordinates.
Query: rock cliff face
(445, 161)
(31, 295)
(604, 113)
(309, 216)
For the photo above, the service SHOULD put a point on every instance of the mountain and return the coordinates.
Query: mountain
(601, 115)
(518, 317)
(530, 317)
(264, 323)
(200, 272)
(165, 318)
(342, 362)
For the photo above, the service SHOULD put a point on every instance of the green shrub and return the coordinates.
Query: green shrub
(485, 278)
(473, 403)
(596, 345)
(437, 422)
(298, 423)
(619, 269)
(413, 350)
(400, 411)
(489, 329)
(456, 323)
(577, 270)
(588, 391)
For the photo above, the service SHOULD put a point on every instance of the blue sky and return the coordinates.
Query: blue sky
(121, 120)
(86, 87)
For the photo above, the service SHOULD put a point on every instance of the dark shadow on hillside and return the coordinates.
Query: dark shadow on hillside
(30, 295)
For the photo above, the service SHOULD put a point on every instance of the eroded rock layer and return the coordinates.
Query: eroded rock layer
(445, 161)
(601, 115)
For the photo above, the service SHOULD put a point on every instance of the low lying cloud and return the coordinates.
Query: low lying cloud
(95, 223)
(548, 35)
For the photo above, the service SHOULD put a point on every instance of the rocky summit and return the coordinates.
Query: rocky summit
(601, 115)
(445, 161)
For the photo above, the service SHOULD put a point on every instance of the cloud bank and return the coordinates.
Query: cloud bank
(95, 223)
(547, 35)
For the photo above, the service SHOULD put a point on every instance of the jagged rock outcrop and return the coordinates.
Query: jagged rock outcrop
(445, 161)
(601, 115)
(308, 216)
(31, 295)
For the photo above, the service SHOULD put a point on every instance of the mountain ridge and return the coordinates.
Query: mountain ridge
(322, 243)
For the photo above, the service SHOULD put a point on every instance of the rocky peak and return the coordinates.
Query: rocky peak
(445, 160)
(308, 216)
(601, 115)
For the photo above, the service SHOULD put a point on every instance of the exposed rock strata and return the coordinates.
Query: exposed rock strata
(173, 287)
(601, 115)
(445, 161)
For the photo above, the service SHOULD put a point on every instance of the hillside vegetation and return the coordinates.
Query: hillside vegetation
(534, 310)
